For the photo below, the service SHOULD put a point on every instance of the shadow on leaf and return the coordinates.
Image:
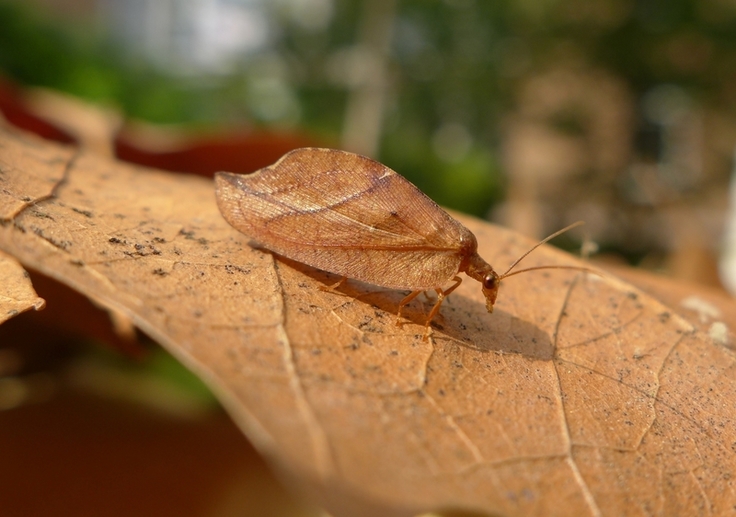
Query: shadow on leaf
(461, 320)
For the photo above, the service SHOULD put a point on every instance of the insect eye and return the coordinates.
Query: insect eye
(489, 282)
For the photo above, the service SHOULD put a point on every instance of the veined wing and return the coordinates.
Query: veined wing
(324, 198)
(349, 215)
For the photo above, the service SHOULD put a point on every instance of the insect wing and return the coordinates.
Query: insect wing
(347, 214)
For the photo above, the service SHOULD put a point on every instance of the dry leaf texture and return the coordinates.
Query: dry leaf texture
(577, 396)
(16, 293)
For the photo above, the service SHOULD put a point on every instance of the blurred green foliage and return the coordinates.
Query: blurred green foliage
(40, 51)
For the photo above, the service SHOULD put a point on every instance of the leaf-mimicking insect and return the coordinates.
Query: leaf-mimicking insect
(352, 216)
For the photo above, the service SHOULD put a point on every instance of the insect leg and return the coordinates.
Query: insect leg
(333, 287)
(403, 302)
(440, 298)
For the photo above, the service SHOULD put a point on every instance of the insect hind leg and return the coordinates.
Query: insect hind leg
(333, 287)
(403, 303)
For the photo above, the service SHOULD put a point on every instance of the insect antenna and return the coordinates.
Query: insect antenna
(508, 272)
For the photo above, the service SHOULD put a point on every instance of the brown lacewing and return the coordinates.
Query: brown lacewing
(352, 216)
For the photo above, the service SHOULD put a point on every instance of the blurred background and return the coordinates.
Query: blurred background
(530, 113)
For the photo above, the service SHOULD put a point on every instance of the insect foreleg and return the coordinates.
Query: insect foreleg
(440, 298)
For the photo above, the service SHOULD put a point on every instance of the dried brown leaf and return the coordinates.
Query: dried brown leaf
(93, 126)
(710, 310)
(16, 294)
(577, 396)
(43, 168)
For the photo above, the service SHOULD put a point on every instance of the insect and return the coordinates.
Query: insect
(352, 216)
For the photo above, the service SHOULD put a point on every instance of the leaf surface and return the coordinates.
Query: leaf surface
(579, 395)
(16, 294)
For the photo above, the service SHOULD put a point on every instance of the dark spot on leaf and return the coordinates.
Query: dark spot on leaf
(366, 322)
(62, 245)
(232, 269)
(85, 213)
